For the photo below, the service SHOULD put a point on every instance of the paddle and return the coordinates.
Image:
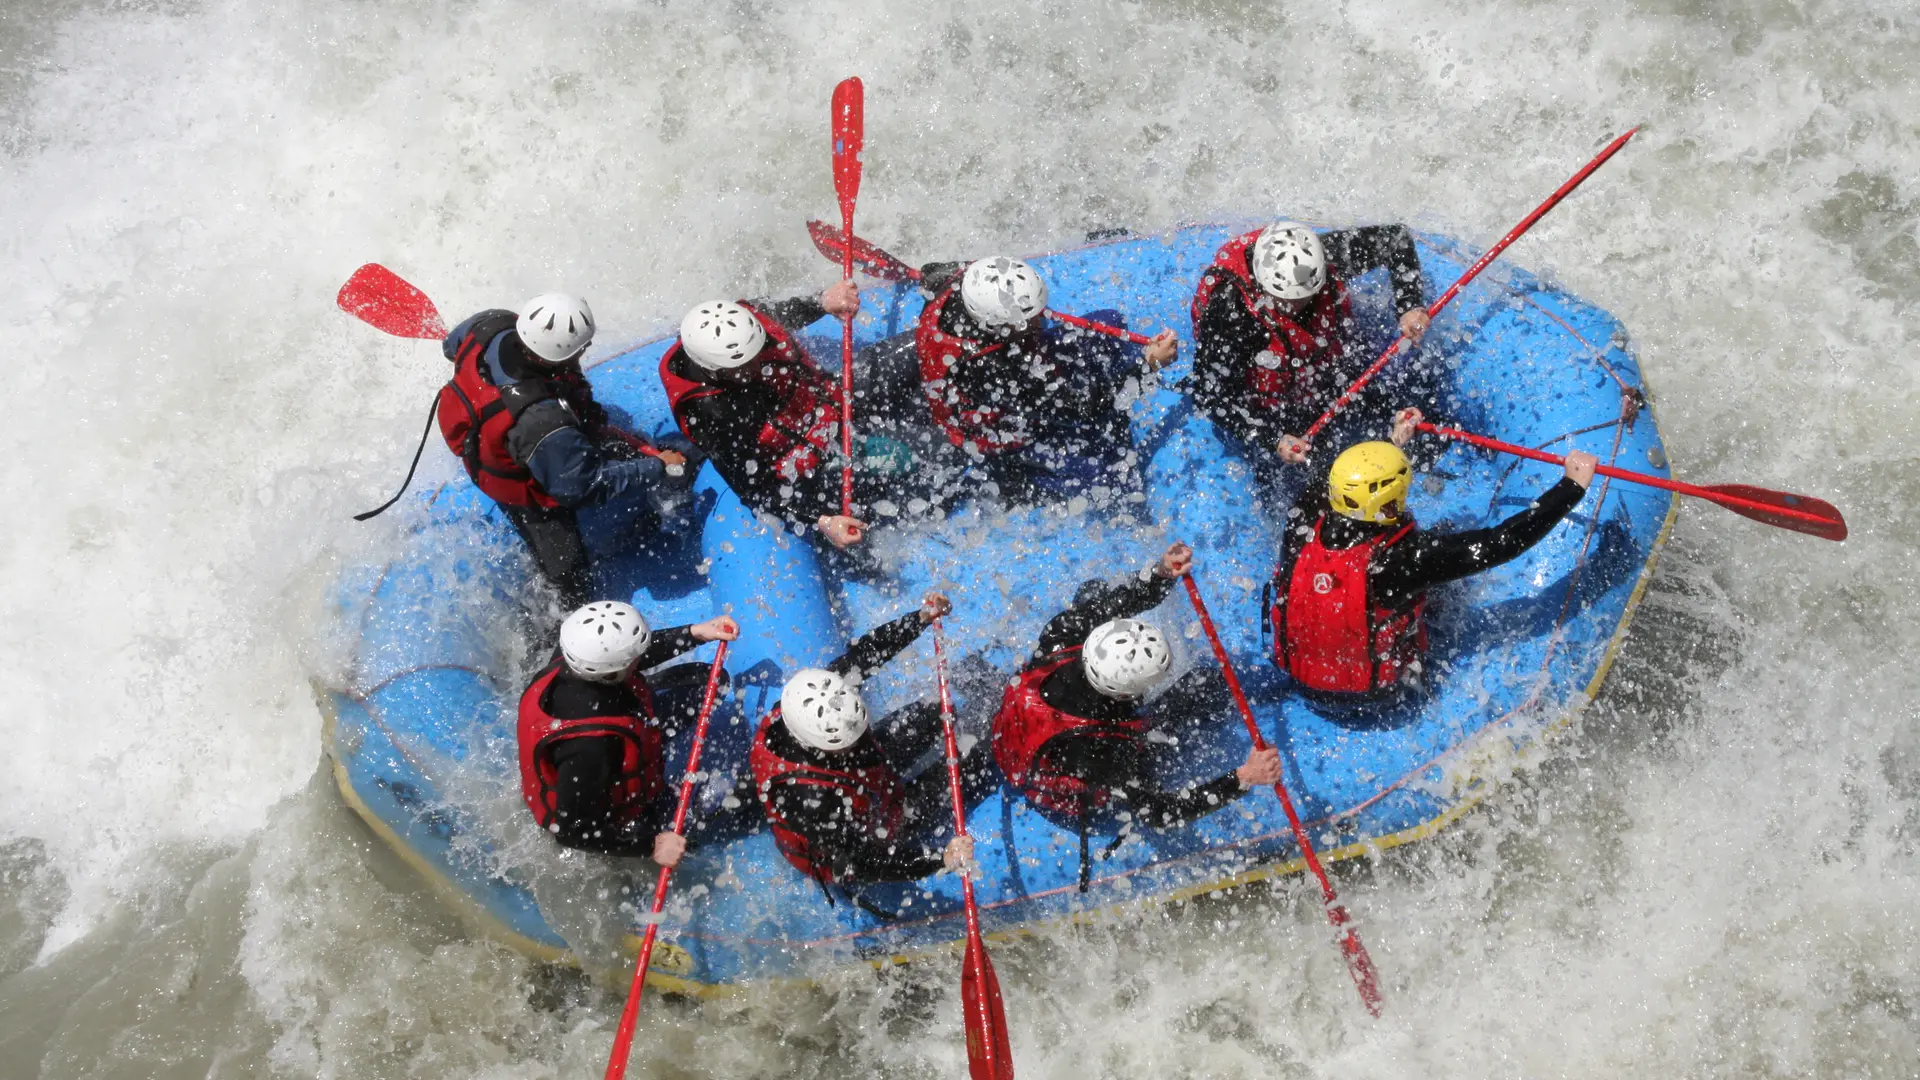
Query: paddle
(849, 133)
(1783, 510)
(1359, 964)
(623, 1038)
(888, 268)
(989, 1054)
(385, 301)
(1433, 310)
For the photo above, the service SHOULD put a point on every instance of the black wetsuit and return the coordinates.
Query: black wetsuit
(853, 855)
(1228, 338)
(727, 427)
(1400, 575)
(588, 768)
(1123, 767)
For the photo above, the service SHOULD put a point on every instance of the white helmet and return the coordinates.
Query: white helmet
(1125, 657)
(722, 335)
(555, 327)
(1289, 261)
(822, 711)
(602, 640)
(1002, 292)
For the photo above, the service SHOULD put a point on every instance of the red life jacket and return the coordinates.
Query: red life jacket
(475, 416)
(643, 774)
(962, 420)
(1327, 634)
(1307, 346)
(872, 794)
(804, 427)
(1025, 725)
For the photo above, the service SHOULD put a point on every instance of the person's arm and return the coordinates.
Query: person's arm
(1098, 602)
(1426, 559)
(880, 645)
(568, 466)
(794, 314)
(1158, 808)
(1225, 343)
(849, 855)
(1379, 247)
(667, 644)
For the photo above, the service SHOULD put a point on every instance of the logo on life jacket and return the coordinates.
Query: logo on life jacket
(1329, 635)
(642, 779)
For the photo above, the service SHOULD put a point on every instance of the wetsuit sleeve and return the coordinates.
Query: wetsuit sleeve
(1157, 808)
(587, 770)
(568, 466)
(849, 854)
(1129, 778)
(1424, 559)
(1098, 602)
(667, 644)
(795, 314)
(881, 644)
(1225, 343)
(1379, 247)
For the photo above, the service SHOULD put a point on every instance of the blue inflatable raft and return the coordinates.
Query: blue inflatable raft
(420, 721)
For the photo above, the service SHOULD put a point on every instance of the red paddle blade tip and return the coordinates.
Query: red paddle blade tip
(849, 126)
(386, 301)
(989, 1054)
(1798, 513)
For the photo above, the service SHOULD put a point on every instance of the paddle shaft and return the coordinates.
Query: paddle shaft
(849, 132)
(1434, 309)
(1359, 964)
(976, 948)
(623, 1038)
(1724, 499)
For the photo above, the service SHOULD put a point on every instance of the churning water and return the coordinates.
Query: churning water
(1715, 876)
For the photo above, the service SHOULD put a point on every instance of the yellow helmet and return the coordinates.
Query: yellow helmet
(1369, 482)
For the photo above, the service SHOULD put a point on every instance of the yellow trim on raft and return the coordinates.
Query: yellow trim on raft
(1473, 787)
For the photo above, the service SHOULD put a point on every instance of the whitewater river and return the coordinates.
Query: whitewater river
(1715, 875)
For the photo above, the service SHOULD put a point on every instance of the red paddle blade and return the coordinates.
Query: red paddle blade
(849, 132)
(385, 301)
(989, 1055)
(1806, 514)
(1359, 964)
(831, 243)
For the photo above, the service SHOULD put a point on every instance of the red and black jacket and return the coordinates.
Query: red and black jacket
(475, 416)
(642, 780)
(871, 795)
(985, 427)
(1330, 634)
(1303, 351)
(1025, 726)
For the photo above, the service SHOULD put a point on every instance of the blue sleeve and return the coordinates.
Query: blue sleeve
(450, 345)
(568, 467)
